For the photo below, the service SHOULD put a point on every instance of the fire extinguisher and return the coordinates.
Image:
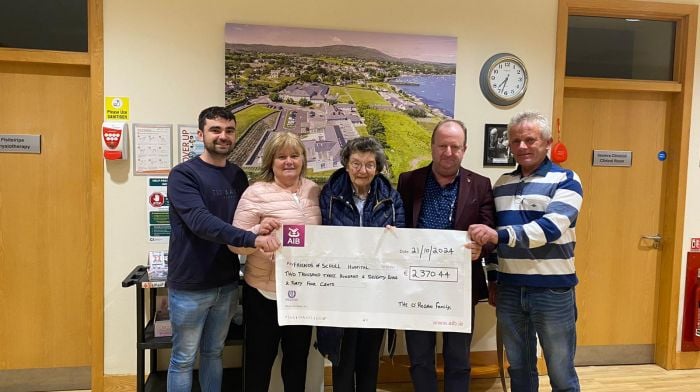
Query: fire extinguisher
(696, 335)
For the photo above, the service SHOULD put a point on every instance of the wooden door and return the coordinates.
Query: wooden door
(617, 267)
(45, 281)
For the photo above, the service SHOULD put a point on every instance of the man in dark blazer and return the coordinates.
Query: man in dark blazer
(443, 195)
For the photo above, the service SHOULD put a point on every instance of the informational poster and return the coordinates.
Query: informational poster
(157, 209)
(190, 143)
(153, 153)
(416, 279)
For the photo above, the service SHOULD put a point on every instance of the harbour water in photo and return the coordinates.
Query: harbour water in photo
(437, 91)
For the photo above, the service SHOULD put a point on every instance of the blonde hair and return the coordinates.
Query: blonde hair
(278, 141)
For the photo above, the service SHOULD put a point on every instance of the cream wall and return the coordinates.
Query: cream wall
(168, 58)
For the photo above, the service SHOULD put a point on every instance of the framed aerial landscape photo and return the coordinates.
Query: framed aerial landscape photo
(496, 148)
(330, 86)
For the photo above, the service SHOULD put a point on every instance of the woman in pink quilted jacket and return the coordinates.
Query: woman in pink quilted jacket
(282, 193)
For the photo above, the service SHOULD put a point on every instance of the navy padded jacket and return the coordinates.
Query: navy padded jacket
(382, 207)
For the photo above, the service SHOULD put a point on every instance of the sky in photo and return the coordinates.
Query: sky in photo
(418, 47)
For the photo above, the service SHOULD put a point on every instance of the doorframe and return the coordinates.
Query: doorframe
(96, 207)
(676, 144)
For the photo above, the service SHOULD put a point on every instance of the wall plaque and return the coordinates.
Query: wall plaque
(28, 144)
(612, 158)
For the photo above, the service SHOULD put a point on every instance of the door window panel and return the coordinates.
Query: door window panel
(620, 48)
(45, 25)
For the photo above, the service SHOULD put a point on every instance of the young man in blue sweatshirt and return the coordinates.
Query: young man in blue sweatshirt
(202, 272)
(536, 210)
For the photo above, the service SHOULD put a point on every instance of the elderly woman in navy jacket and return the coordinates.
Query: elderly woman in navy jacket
(358, 195)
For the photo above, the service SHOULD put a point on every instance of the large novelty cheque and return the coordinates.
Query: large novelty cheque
(369, 277)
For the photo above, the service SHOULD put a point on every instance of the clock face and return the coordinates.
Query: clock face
(503, 79)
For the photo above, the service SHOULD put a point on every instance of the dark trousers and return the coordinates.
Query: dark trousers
(262, 338)
(357, 369)
(455, 353)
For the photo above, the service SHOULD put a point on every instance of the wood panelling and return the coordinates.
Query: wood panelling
(44, 56)
(96, 190)
(621, 84)
(616, 267)
(44, 227)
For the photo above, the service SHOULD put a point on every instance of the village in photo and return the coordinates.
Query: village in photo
(331, 86)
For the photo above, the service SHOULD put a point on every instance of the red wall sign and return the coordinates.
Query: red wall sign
(695, 244)
(157, 199)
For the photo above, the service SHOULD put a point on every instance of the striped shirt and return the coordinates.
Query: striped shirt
(536, 217)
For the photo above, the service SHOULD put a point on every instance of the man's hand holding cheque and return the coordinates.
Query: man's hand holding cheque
(483, 234)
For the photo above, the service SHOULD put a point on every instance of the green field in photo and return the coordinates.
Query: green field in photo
(248, 116)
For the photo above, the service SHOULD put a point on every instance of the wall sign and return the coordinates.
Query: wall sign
(117, 108)
(158, 210)
(612, 158)
(26, 144)
(695, 244)
(190, 143)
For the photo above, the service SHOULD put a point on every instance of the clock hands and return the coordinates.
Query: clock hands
(495, 81)
(502, 85)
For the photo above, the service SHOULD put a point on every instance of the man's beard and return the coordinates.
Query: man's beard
(213, 151)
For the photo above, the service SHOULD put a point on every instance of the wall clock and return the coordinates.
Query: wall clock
(503, 79)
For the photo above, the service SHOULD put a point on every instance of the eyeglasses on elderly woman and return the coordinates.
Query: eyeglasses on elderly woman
(357, 165)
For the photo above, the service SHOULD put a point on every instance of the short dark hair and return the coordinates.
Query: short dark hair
(214, 112)
(449, 120)
(364, 144)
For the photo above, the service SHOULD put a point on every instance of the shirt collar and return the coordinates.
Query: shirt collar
(454, 181)
(541, 170)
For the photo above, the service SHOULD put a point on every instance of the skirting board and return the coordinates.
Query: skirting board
(49, 379)
(632, 354)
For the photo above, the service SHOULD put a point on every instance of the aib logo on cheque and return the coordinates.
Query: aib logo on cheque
(293, 235)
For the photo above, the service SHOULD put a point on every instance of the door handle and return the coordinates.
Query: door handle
(656, 238)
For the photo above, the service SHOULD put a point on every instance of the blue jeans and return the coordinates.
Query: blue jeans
(200, 321)
(527, 313)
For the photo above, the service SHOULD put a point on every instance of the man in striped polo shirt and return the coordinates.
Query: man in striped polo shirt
(536, 210)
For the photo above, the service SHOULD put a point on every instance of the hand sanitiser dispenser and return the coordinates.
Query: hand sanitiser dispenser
(115, 145)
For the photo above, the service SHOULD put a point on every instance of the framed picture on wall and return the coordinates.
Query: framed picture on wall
(496, 148)
(278, 93)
